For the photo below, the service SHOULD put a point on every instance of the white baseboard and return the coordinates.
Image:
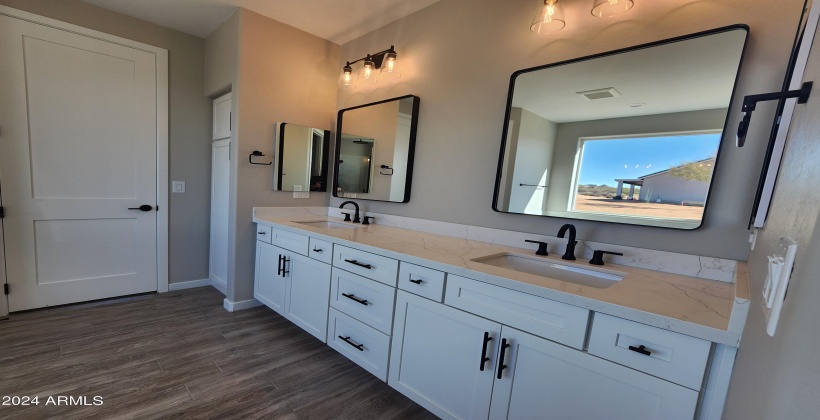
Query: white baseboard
(220, 285)
(242, 304)
(188, 284)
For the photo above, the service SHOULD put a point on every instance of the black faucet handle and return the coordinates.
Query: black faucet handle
(347, 216)
(542, 246)
(598, 256)
(367, 220)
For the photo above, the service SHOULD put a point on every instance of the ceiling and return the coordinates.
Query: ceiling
(695, 74)
(336, 21)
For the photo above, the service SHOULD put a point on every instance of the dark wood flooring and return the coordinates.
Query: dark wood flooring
(181, 355)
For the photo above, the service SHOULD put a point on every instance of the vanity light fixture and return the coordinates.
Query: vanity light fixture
(380, 64)
(549, 17)
(603, 8)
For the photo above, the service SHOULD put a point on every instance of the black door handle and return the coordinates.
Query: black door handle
(641, 349)
(279, 267)
(144, 207)
(501, 365)
(418, 281)
(354, 298)
(347, 340)
(319, 250)
(484, 358)
(285, 261)
(354, 262)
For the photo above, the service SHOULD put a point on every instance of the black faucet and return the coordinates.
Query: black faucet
(356, 215)
(570, 253)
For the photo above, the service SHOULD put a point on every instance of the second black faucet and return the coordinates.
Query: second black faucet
(570, 252)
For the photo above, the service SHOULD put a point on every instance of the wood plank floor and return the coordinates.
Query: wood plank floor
(181, 355)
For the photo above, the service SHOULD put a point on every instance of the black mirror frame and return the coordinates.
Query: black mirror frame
(511, 91)
(411, 149)
(280, 158)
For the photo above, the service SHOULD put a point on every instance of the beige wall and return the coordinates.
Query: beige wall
(222, 57)
(189, 123)
(779, 377)
(458, 55)
(283, 75)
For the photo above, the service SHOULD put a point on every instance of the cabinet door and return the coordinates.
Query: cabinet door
(308, 293)
(222, 117)
(436, 354)
(545, 377)
(269, 284)
(220, 181)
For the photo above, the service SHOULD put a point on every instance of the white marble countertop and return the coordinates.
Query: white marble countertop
(711, 310)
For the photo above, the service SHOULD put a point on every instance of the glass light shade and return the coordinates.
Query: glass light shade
(549, 18)
(368, 72)
(604, 8)
(346, 79)
(389, 67)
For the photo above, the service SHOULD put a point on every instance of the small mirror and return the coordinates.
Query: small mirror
(301, 161)
(631, 136)
(374, 150)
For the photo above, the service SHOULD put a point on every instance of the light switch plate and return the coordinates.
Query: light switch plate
(178, 187)
(777, 282)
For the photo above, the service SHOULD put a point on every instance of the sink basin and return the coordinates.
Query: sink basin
(572, 273)
(327, 224)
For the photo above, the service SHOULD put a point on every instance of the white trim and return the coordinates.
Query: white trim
(162, 122)
(220, 285)
(191, 284)
(242, 304)
(717, 383)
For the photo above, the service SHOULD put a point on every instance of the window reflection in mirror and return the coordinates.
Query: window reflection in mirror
(580, 136)
(374, 150)
(301, 161)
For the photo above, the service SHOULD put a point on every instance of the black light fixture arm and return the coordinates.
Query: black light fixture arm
(750, 102)
(377, 58)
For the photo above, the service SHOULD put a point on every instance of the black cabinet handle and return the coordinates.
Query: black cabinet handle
(317, 250)
(144, 207)
(285, 261)
(417, 281)
(353, 297)
(279, 267)
(262, 233)
(501, 365)
(354, 262)
(641, 349)
(347, 340)
(484, 358)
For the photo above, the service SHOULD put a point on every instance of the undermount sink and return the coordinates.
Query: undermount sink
(327, 224)
(572, 273)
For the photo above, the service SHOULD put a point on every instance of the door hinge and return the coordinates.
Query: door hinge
(6, 288)
(2, 212)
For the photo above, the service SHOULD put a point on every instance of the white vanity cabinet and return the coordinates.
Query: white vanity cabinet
(439, 359)
(294, 285)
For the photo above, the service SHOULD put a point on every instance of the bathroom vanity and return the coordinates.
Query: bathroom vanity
(471, 329)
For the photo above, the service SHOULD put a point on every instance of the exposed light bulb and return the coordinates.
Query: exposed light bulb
(601, 8)
(549, 17)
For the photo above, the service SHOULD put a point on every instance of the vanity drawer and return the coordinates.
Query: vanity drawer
(289, 240)
(366, 264)
(263, 233)
(675, 357)
(321, 250)
(363, 345)
(364, 299)
(556, 321)
(422, 281)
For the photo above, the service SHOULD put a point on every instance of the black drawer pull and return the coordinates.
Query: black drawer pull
(262, 233)
(641, 349)
(347, 340)
(317, 250)
(417, 281)
(353, 297)
(285, 261)
(484, 358)
(279, 267)
(501, 365)
(354, 262)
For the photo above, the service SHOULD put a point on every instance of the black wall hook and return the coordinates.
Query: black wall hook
(257, 153)
(386, 167)
(750, 101)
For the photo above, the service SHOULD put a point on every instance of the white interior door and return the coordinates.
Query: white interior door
(78, 149)
(220, 188)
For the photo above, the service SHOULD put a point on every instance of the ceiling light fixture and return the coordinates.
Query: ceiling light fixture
(602, 8)
(385, 61)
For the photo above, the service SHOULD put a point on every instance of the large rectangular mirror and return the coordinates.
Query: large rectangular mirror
(301, 158)
(375, 144)
(630, 136)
